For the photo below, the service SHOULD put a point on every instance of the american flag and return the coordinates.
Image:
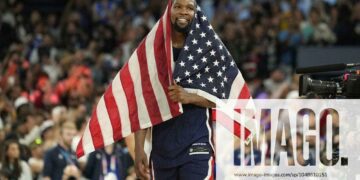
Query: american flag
(138, 97)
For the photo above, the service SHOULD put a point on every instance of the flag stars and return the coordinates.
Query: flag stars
(195, 67)
(222, 57)
(204, 18)
(216, 63)
(219, 74)
(212, 53)
(186, 48)
(210, 27)
(178, 79)
(225, 79)
(222, 84)
(198, 75)
(190, 57)
(207, 69)
(199, 50)
(214, 90)
(210, 79)
(203, 85)
(194, 41)
(204, 59)
(197, 25)
(190, 81)
(224, 68)
(198, 8)
(182, 64)
(191, 32)
(232, 64)
(208, 43)
(203, 34)
(220, 47)
(223, 95)
(187, 73)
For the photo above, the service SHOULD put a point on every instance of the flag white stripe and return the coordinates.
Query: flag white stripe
(105, 125)
(159, 92)
(88, 145)
(210, 168)
(236, 87)
(121, 103)
(134, 69)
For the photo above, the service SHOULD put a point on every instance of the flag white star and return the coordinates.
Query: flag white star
(223, 95)
(224, 68)
(198, 8)
(190, 57)
(203, 18)
(203, 34)
(203, 85)
(182, 63)
(186, 48)
(190, 81)
(232, 63)
(208, 43)
(212, 53)
(210, 79)
(216, 63)
(178, 79)
(195, 66)
(223, 57)
(198, 75)
(194, 41)
(187, 73)
(214, 90)
(199, 50)
(216, 36)
(221, 47)
(207, 69)
(191, 32)
(219, 74)
(225, 79)
(210, 27)
(222, 84)
(204, 59)
(197, 25)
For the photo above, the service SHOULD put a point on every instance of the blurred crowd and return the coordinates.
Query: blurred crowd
(54, 66)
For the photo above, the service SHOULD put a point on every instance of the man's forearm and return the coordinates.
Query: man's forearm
(202, 102)
(140, 139)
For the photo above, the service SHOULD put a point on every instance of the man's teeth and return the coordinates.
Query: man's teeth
(182, 20)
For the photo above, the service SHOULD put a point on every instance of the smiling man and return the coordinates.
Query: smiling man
(181, 147)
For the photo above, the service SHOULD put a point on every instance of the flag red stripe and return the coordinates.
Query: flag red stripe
(80, 149)
(148, 92)
(162, 69)
(231, 125)
(244, 94)
(128, 87)
(113, 112)
(96, 134)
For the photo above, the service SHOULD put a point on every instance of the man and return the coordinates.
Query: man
(181, 147)
(61, 156)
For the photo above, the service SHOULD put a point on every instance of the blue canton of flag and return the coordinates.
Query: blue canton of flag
(205, 63)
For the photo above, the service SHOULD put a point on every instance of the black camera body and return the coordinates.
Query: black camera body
(340, 81)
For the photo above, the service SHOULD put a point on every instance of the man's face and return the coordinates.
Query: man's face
(182, 14)
(67, 135)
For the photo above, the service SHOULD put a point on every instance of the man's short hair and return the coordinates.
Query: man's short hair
(195, 3)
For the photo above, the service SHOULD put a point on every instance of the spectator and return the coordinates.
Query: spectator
(11, 165)
(61, 156)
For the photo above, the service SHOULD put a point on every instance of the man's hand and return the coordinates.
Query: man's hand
(141, 164)
(178, 94)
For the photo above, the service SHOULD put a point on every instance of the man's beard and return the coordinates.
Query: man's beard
(184, 30)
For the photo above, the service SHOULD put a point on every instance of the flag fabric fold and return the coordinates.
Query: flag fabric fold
(137, 98)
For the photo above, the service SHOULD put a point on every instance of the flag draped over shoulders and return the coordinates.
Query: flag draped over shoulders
(137, 98)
